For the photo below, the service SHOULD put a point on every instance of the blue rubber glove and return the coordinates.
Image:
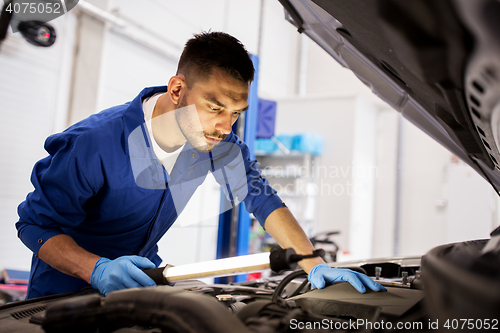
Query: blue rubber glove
(322, 274)
(123, 272)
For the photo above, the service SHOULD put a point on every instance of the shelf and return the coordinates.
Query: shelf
(292, 176)
(280, 154)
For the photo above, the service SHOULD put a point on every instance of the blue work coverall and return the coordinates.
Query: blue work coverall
(103, 185)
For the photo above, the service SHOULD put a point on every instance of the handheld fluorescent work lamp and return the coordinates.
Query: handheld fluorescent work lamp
(277, 260)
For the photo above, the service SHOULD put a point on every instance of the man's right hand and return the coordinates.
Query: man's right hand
(123, 272)
(322, 275)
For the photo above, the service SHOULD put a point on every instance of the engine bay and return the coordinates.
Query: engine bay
(453, 287)
(280, 303)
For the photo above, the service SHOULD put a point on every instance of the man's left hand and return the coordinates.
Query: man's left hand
(322, 274)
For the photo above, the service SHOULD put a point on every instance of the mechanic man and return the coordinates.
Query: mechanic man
(115, 182)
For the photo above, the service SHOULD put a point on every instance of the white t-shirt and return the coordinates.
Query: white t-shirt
(167, 159)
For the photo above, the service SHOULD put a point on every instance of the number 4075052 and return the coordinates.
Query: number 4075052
(471, 324)
(34, 8)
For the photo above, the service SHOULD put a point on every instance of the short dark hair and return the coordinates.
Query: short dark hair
(209, 50)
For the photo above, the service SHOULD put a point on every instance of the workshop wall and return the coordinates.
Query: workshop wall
(385, 184)
(34, 94)
(333, 118)
(443, 199)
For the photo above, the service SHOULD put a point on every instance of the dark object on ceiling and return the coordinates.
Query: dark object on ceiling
(38, 33)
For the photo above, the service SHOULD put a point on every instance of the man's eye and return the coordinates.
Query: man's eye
(214, 109)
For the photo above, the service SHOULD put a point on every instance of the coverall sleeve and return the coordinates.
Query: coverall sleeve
(259, 197)
(262, 199)
(60, 193)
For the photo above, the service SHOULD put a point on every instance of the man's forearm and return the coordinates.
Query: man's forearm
(285, 229)
(62, 253)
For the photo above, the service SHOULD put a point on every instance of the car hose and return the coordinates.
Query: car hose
(286, 280)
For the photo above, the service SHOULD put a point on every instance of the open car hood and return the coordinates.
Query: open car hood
(436, 62)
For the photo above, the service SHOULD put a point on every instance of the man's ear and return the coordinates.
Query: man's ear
(175, 86)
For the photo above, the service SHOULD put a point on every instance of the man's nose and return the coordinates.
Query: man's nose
(224, 123)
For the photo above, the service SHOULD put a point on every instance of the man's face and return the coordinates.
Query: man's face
(208, 110)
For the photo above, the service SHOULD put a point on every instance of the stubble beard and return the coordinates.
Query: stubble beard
(194, 136)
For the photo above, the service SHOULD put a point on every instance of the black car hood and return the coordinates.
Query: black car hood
(436, 62)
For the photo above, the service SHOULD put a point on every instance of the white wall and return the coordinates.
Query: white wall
(34, 91)
(465, 189)
(443, 199)
(365, 173)
(385, 184)
(279, 54)
(127, 68)
(326, 76)
(423, 178)
(333, 118)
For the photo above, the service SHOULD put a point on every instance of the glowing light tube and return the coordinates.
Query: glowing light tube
(220, 267)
